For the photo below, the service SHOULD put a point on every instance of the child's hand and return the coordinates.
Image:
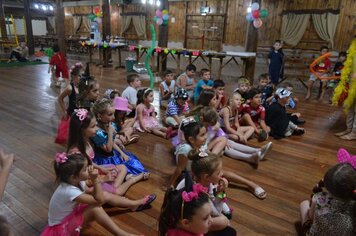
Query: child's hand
(223, 184)
(125, 157)
(242, 138)
(93, 173)
(111, 129)
(109, 177)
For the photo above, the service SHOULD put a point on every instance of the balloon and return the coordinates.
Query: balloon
(165, 17)
(158, 13)
(257, 23)
(165, 22)
(263, 13)
(155, 19)
(166, 51)
(249, 17)
(159, 21)
(255, 6)
(165, 12)
(92, 17)
(149, 54)
(158, 49)
(256, 14)
(173, 51)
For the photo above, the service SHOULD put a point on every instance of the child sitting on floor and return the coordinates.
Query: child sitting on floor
(278, 119)
(266, 90)
(130, 93)
(254, 114)
(176, 108)
(146, 120)
(243, 86)
(187, 81)
(166, 88)
(219, 88)
(332, 212)
(184, 215)
(204, 83)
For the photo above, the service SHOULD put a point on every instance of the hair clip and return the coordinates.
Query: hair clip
(202, 153)
(193, 195)
(61, 157)
(188, 120)
(81, 113)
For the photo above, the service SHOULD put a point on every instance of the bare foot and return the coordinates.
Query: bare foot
(6, 160)
(343, 132)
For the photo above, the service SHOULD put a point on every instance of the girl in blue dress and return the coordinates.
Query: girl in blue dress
(107, 150)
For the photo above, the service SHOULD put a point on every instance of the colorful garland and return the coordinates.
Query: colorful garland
(345, 82)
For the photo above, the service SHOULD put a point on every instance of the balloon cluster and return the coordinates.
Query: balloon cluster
(161, 17)
(256, 14)
(97, 14)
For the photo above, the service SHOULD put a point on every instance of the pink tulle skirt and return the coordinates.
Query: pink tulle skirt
(70, 225)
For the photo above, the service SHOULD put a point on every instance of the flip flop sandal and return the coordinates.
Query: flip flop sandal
(260, 193)
(133, 139)
(148, 200)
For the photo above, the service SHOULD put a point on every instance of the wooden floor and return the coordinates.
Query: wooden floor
(28, 122)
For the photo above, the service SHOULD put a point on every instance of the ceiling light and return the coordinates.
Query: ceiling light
(158, 3)
(151, 2)
(50, 8)
(143, 1)
(44, 7)
(36, 6)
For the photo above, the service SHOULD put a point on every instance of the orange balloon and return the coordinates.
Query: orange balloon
(311, 68)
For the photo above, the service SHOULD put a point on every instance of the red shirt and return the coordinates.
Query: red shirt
(257, 114)
(60, 62)
(323, 66)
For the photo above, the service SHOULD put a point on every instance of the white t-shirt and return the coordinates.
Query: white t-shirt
(130, 94)
(62, 202)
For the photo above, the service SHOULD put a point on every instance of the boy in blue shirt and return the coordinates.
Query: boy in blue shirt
(204, 83)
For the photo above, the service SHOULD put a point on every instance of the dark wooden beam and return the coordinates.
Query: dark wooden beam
(251, 46)
(60, 26)
(106, 31)
(29, 32)
(163, 37)
(2, 21)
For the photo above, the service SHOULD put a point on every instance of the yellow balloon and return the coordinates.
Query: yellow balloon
(164, 12)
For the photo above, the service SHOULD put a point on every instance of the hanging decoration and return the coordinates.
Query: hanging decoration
(256, 15)
(161, 17)
(345, 92)
(96, 15)
(149, 55)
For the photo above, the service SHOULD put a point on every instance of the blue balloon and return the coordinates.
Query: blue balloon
(249, 17)
(165, 17)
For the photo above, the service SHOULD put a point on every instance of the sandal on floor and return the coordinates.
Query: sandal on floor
(260, 193)
(133, 139)
(349, 136)
(148, 200)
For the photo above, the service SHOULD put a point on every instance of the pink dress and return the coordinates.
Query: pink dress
(150, 121)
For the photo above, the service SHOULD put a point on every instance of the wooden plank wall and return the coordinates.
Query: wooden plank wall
(236, 22)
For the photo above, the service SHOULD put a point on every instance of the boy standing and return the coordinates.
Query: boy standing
(204, 83)
(322, 69)
(130, 93)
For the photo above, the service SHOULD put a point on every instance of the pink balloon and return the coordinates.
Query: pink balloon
(159, 13)
(257, 23)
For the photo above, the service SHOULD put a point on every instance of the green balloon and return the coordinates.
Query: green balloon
(263, 13)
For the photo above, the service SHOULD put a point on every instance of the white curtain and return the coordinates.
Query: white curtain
(325, 25)
(52, 23)
(87, 22)
(126, 20)
(76, 23)
(293, 27)
(140, 25)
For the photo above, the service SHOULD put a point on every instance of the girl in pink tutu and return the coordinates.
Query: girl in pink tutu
(72, 206)
(146, 120)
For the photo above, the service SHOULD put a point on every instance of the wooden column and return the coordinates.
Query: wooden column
(106, 31)
(2, 21)
(163, 37)
(60, 26)
(29, 32)
(251, 46)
